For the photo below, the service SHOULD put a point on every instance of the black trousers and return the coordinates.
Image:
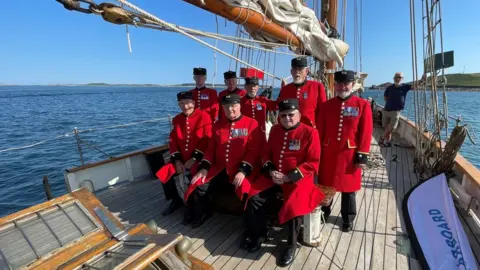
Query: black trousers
(348, 207)
(199, 202)
(256, 216)
(170, 190)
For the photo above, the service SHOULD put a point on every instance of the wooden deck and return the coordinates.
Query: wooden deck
(378, 241)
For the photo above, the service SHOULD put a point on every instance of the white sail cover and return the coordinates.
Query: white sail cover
(302, 22)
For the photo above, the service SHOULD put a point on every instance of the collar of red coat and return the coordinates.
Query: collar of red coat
(292, 128)
(301, 84)
(347, 98)
(201, 88)
(193, 113)
(235, 120)
(249, 97)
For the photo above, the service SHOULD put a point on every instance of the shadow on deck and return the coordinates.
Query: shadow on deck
(378, 240)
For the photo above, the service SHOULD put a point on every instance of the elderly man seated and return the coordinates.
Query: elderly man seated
(290, 161)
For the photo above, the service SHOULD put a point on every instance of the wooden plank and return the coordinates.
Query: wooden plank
(377, 258)
(366, 248)
(111, 194)
(390, 238)
(333, 231)
(233, 239)
(343, 246)
(408, 185)
(268, 249)
(348, 248)
(315, 255)
(214, 242)
(474, 244)
(209, 231)
(402, 260)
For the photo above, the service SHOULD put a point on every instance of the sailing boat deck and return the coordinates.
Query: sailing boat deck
(379, 237)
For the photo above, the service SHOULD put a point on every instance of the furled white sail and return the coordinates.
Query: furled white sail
(302, 22)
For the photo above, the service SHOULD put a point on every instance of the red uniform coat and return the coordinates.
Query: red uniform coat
(295, 153)
(257, 108)
(188, 139)
(234, 146)
(238, 91)
(310, 95)
(345, 132)
(206, 99)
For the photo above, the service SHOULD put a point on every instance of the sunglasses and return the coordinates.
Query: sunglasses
(283, 115)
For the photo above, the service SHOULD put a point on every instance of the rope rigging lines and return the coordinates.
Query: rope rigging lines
(77, 131)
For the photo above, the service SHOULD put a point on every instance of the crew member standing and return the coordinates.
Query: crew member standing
(232, 88)
(310, 94)
(290, 161)
(206, 99)
(345, 133)
(192, 129)
(232, 156)
(254, 106)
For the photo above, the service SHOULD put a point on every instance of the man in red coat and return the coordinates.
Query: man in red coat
(231, 83)
(192, 129)
(290, 161)
(310, 94)
(205, 98)
(232, 157)
(345, 130)
(254, 106)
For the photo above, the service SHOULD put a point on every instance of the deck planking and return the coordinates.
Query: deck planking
(378, 239)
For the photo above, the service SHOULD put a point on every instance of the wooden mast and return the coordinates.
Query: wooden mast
(329, 12)
(251, 19)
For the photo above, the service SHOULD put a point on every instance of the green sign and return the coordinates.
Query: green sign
(439, 64)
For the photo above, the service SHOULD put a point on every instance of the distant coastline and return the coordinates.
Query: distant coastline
(457, 82)
(122, 84)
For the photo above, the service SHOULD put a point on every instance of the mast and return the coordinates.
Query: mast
(249, 18)
(329, 12)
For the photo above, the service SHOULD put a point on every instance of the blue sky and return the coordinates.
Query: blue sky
(42, 43)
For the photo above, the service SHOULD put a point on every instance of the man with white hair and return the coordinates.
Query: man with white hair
(394, 96)
(310, 94)
(345, 133)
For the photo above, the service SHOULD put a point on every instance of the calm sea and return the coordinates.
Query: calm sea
(31, 114)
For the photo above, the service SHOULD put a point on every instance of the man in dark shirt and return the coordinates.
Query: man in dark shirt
(394, 96)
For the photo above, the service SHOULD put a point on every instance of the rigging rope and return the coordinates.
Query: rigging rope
(84, 131)
(156, 19)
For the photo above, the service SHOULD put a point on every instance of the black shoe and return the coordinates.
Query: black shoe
(197, 222)
(256, 244)
(287, 257)
(187, 217)
(174, 205)
(347, 227)
(246, 242)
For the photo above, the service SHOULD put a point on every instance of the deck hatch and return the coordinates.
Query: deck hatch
(24, 240)
(115, 256)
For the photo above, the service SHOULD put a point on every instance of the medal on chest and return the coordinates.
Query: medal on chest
(238, 132)
(259, 107)
(204, 97)
(294, 145)
(350, 111)
(305, 95)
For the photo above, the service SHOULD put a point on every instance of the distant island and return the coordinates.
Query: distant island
(457, 82)
(141, 84)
